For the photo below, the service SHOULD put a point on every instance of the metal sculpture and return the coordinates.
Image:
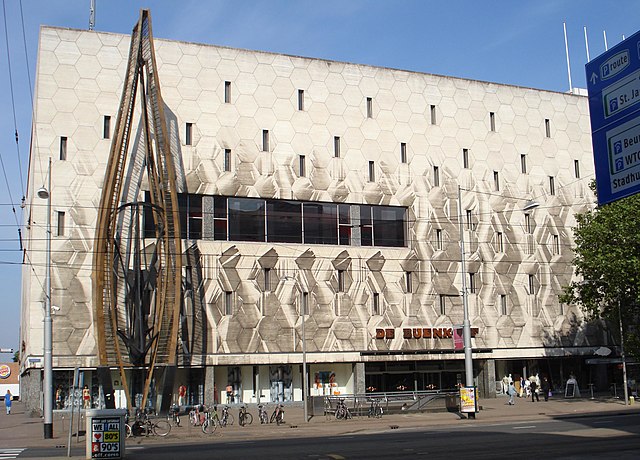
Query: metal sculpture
(137, 251)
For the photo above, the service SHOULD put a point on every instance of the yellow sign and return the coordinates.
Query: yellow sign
(468, 402)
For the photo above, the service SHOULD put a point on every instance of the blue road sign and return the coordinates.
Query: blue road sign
(613, 81)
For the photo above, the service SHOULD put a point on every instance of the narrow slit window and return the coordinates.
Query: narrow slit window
(265, 140)
(63, 148)
(499, 242)
(188, 134)
(336, 146)
(472, 283)
(267, 280)
(106, 127)
(228, 303)
(527, 223)
(439, 239)
(340, 280)
(433, 115)
(552, 185)
(436, 176)
(496, 181)
(375, 307)
(503, 304)
(547, 127)
(469, 213)
(465, 158)
(403, 152)
(532, 286)
(576, 168)
(523, 163)
(556, 245)
(302, 165)
(60, 226)
(300, 99)
(443, 304)
(492, 121)
(227, 159)
(369, 107)
(408, 282)
(372, 171)
(305, 303)
(227, 92)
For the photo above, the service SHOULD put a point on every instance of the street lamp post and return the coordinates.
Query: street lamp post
(622, 355)
(304, 353)
(466, 325)
(45, 193)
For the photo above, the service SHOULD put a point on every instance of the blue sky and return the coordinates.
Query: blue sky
(512, 42)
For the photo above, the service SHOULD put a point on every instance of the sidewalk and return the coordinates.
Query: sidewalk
(18, 430)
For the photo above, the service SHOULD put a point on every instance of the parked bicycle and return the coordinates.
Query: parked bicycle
(277, 415)
(173, 417)
(375, 410)
(227, 418)
(144, 426)
(244, 417)
(197, 415)
(342, 411)
(211, 421)
(262, 414)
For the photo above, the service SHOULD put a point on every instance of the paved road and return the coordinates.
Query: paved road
(589, 437)
(526, 428)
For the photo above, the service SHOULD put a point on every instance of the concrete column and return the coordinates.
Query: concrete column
(209, 382)
(358, 377)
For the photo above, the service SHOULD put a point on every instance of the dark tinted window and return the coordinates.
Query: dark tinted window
(388, 226)
(246, 219)
(320, 223)
(284, 222)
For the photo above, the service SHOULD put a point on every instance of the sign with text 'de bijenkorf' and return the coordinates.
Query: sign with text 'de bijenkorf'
(613, 81)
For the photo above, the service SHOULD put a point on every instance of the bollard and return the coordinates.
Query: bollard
(632, 400)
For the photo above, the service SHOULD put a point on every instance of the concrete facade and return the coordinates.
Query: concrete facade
(336, 133)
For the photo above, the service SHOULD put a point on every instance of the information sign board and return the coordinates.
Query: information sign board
(613, 82)
(105, 437)
(468, 400)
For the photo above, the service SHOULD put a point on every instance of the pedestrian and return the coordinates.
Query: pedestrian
(511, 391)
(546, 387)
(59, 397)
(534, 391)
(7, 401)
(229, 393)
(86, 397)
(182, 395)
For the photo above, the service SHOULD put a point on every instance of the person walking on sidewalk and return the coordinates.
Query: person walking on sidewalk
(7, 401)
(511, 391)
(546, 387)
(534, 391)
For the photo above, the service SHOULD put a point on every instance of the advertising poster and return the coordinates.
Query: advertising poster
(468, 402)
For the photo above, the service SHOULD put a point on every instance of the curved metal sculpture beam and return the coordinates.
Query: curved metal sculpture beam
(137, 279)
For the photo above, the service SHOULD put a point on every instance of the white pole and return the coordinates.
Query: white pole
(624, 362)
(566, 47)
(586, 43)
(92, 15)
(466, 325)
(604, 34)
(48, 338)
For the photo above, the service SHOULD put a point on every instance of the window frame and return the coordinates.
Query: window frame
(64, 143)
(188, 134)
(106, 127)
(227, 92)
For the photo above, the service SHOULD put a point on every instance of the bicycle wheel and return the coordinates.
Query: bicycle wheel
(280, 417)
(230, 419)
(208, 427)
(248, 419)
(340, 413)
(161, 428)
(127, 429)
(379, 412)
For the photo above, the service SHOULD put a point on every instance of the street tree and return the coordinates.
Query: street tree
(607, 261)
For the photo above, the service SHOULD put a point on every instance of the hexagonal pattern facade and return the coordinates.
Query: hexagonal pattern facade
(539, 137)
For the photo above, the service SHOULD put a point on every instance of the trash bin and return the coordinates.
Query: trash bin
(105, 433)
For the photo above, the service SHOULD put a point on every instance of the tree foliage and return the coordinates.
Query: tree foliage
(607, 258)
